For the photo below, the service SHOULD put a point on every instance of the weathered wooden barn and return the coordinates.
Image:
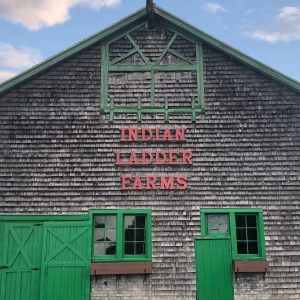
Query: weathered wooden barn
(150, 161)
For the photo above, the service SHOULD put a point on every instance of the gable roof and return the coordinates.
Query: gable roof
(136, 18)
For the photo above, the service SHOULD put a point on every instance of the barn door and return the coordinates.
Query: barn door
(214, 269)
(20, 261)
(66, 261)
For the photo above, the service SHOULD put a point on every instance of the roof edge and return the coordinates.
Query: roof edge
(231, 51)
(73, 50)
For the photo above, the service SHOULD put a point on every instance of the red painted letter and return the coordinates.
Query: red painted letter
(146, 154)
(118, 158)
(124, 181)
(163, 155)
(132, 134)
(180, 134)
(151, 179)
(167, 185)
(181, 182)
(146, 134)
(137, 185)
(187, 157)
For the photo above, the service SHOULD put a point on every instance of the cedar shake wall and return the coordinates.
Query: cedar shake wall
(57, 155)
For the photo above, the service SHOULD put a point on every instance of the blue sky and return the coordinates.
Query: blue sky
(31, 30)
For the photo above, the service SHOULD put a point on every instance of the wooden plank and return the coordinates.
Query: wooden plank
(251, 266)
(118, 268)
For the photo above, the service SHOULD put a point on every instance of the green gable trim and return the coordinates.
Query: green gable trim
(139, 17)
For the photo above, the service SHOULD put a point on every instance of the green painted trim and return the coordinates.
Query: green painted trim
(171, 20)
(180, 56)
(130, 21)
(232, 212)
(120, 213)
(166, 49)
(43, 217)
(150, 68)
(128, 54)
(200, 76)
(145, 59)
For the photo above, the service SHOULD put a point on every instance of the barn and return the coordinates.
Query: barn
(150, 161)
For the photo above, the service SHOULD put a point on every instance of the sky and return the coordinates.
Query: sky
(33, 30)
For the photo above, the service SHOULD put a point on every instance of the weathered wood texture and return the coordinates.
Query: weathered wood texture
(57, 155)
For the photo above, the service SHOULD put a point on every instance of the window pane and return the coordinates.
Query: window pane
(99, 235)
(252, 234)
(110, 221)
(241, 234)
(242, 247)
(111, 235)
(99, 221)
(99, 249)
(253, 248)
(129, 222)
(240, 220)
(251, 221)
(129, 235)
(110, 248)
(140, 235)
(140, 248)
(140, 221)
(218, 223)
(129, 248)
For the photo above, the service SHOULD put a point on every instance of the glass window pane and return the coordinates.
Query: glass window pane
(251, 221)
(110, 248)
(253, 248)
(252, 234)
(110, 221)
(99, 234)
(129, 222)
(140, 248)
(129, 235)
(140, 235)
(111, 235)
(223, 228)
(99, 221)
(242, 247)
(140, 221)
(129, 248)
(241, 234)
(240, 220)
(218, 223)
(99, 249)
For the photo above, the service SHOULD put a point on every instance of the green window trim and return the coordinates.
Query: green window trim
(119, 255)
(232, 213)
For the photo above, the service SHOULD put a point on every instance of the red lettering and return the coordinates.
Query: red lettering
(150, 182)
(157, 134)
(137, 185)
(163, 155)
(133, 159)
(146, 154)
(167, 184)
(173, 155)
(132, 134)
(167, 135)
(182, 182)
(146, 134)
(180, 134)
(187, 157)
(124, 181)
(123, 134)
(118, 158)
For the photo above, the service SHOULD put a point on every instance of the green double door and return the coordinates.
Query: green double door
(214, 269)
(44, 261)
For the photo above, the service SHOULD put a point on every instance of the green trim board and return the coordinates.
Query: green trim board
(118, 230)
(235, 229)
(139, 17)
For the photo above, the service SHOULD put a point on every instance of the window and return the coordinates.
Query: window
(243, 226)
(121, 235)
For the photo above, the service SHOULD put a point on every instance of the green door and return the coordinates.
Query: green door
(20, 261)
(214, 269)
(66, 261)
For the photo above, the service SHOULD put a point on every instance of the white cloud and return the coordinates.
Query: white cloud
(11, 57)
(36, 14)
(214, 8)
(13, 60)
(286, 27)
(5, 75)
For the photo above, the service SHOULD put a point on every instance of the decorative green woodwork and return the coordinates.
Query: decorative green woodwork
(107, 102)
(213, 269)
(106, 234)
(232, 214)
(135, 20)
